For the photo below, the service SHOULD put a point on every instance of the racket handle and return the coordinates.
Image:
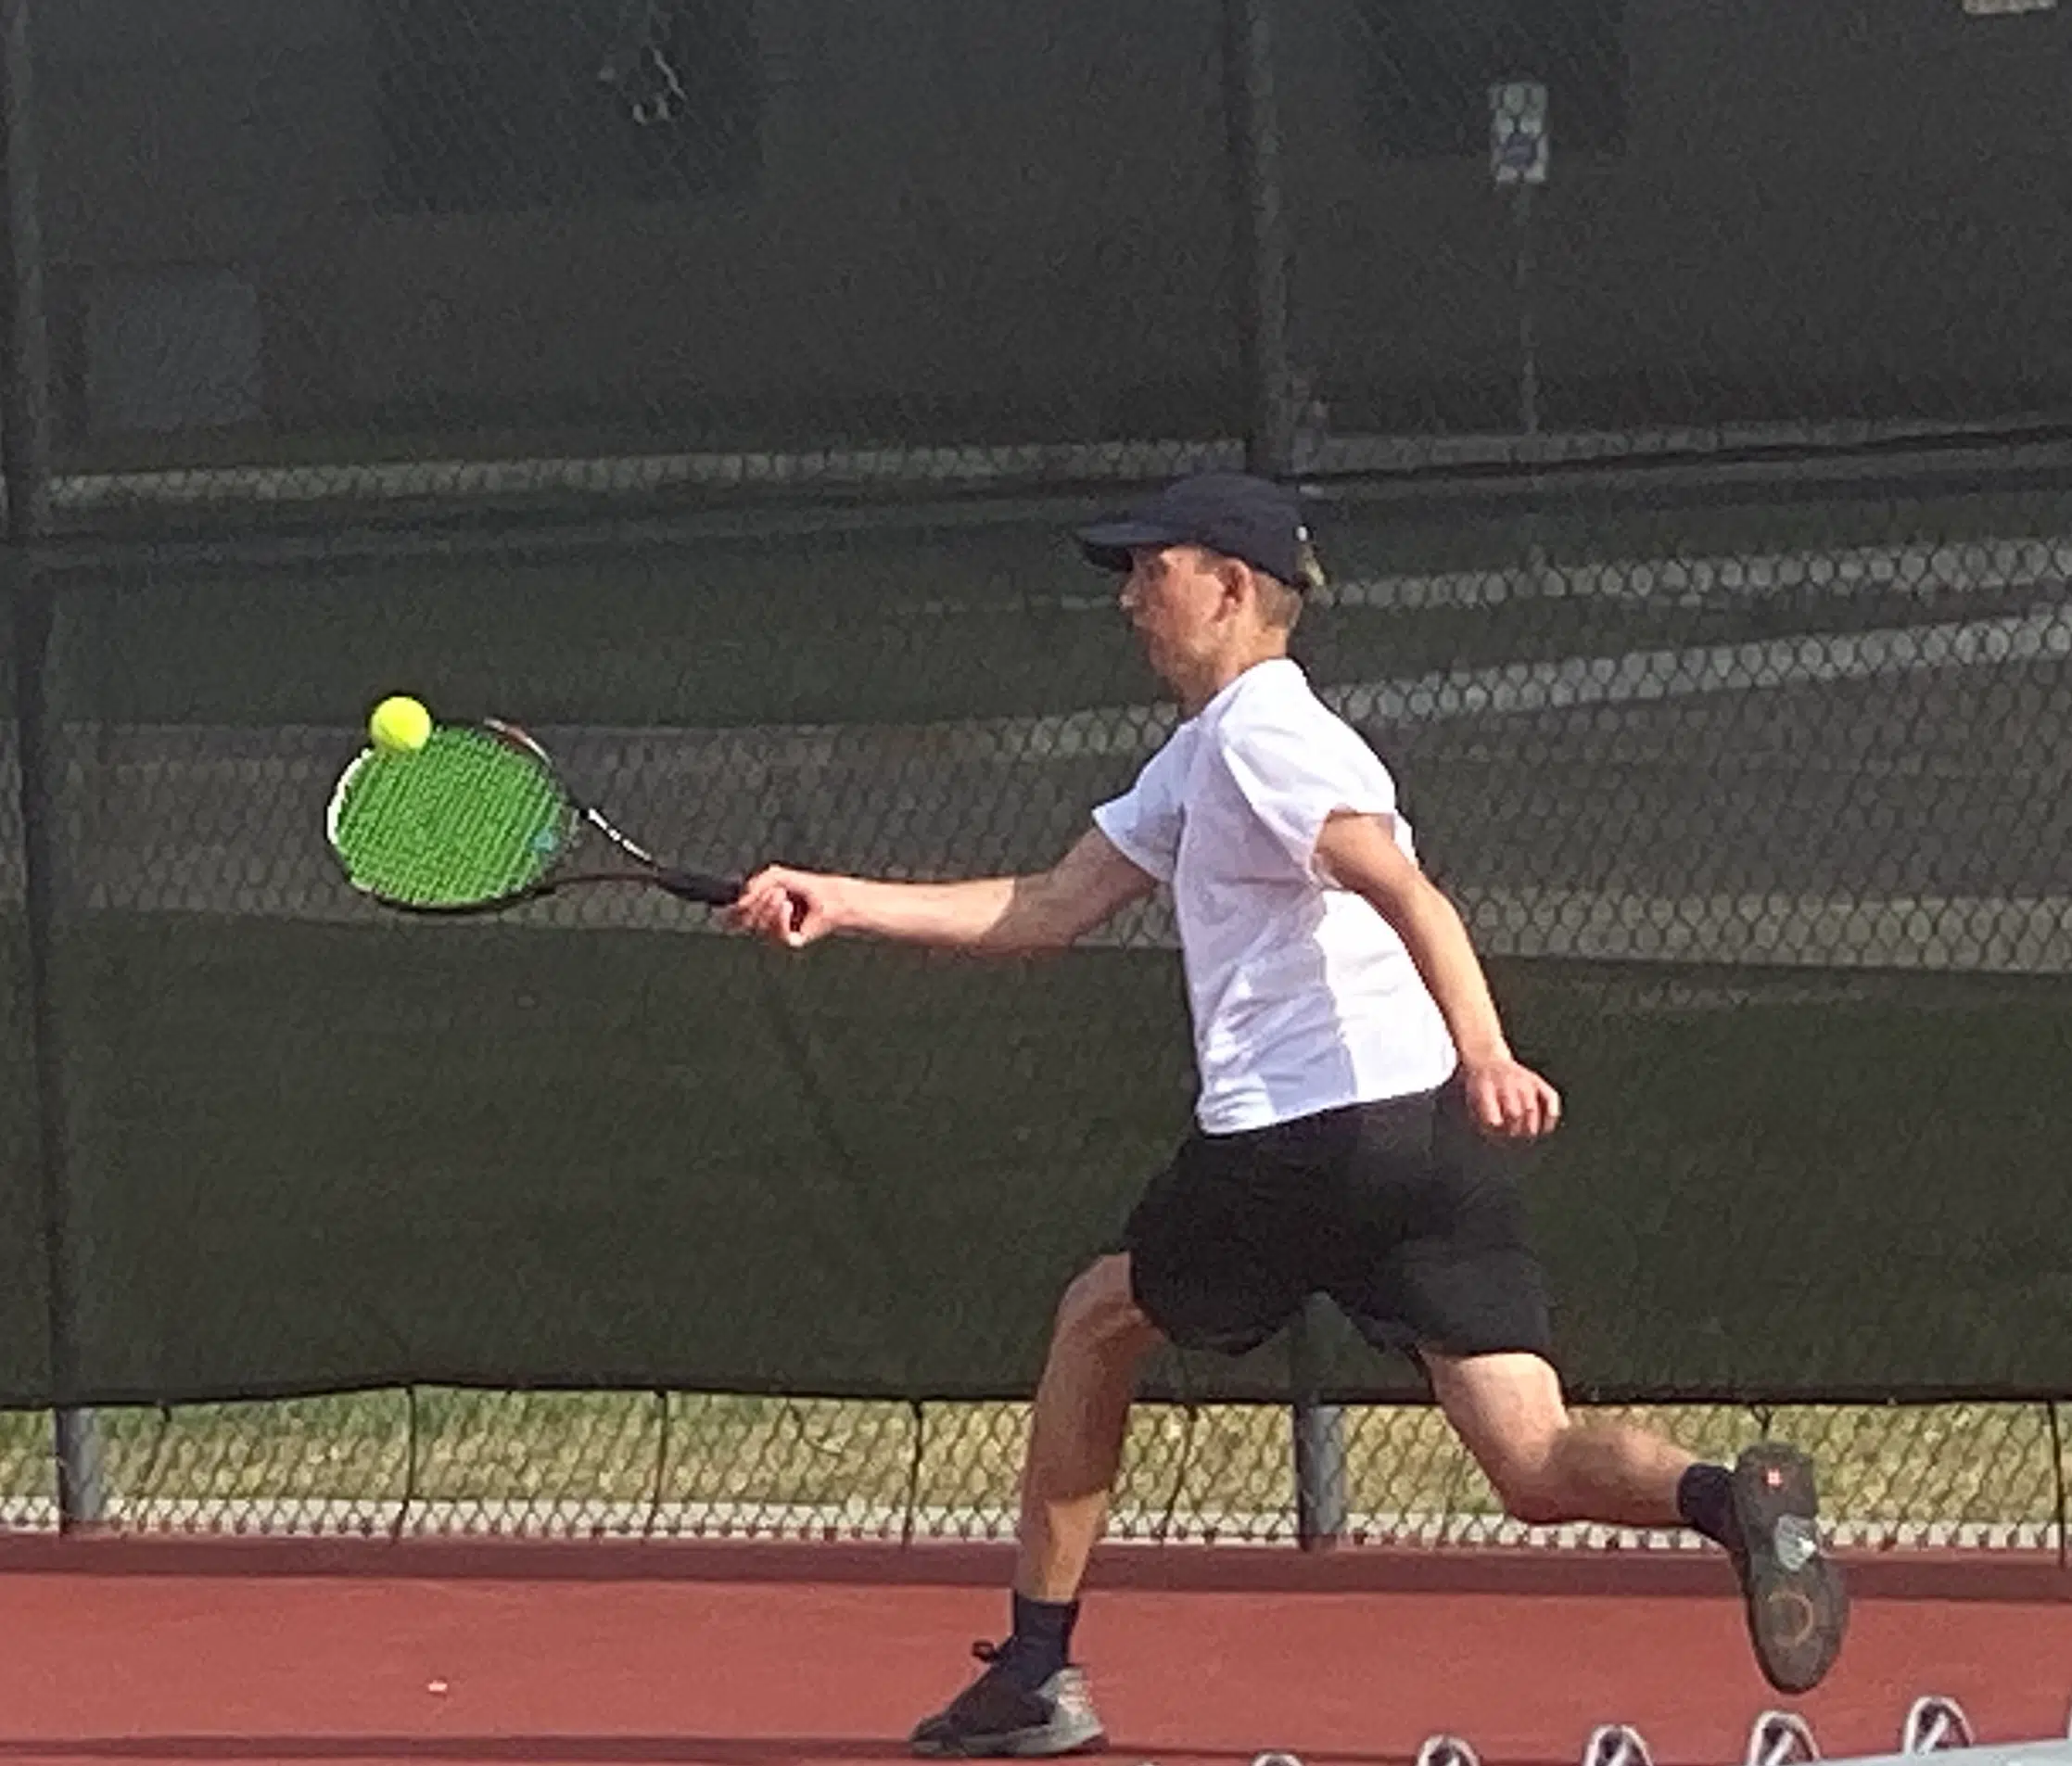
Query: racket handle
(691, 885)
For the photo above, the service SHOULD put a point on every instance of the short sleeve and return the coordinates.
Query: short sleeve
(1146, 822)
(1295, 777)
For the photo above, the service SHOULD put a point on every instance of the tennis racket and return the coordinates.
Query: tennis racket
(477, 820)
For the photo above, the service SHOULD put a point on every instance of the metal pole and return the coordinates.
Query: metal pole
(1254, 134)
(1317, 1430)
(25, 466)
(1529, 363)
(1319, 1442)
(25, 371)
(2057, 1480)
(1527, 341)
(1528, 383)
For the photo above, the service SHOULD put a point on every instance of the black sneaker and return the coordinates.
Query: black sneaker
(994, 1718)
(1797, 1607)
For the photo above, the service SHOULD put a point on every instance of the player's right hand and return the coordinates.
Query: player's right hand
(789, 908)
(1508, 1100)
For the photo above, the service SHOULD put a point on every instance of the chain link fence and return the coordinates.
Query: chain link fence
(560, 249)
(572, 248)
(1763, 847)
(709, 384)
(1614, 224)
(675, 1465)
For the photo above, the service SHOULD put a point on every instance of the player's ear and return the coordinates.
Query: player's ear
(1235, 576)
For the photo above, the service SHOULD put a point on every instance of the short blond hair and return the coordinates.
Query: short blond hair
(1281, 605)
(1279, 602)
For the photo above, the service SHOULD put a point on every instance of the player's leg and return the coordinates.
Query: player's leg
(1447, 1268)
(1031, 1701)
(1547, 1465)
(1437, 1259)
(1550, 1466)
(1199, 1269)
(1075, 1429)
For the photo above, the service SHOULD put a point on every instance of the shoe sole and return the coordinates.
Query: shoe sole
(1070, 1724)
(1047, 1743)
(1797, 1609)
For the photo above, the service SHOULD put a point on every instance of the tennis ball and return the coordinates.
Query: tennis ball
(399, 725)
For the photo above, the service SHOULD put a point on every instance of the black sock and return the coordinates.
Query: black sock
(1704, 1499)
(1042, 1640)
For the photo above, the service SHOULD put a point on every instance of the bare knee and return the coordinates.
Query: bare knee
(1525, 1483)
(1099, 1315)
(1523, 1466)
(1509, 1412)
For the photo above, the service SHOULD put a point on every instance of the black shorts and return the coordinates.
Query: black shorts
(1402, 1212)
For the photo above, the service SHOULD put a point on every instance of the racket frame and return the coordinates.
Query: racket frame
(701, 887)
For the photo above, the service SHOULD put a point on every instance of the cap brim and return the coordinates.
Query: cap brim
(1108, 543)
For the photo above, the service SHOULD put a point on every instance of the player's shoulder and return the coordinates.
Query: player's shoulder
(1270, 693)
(1278, 705)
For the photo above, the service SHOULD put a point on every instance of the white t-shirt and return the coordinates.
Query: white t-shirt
(1303, 996)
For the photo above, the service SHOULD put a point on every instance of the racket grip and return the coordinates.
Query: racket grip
(709, 892)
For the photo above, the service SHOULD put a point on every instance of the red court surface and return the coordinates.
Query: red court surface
(144, 1650)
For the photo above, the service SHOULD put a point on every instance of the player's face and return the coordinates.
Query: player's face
(1172, 597)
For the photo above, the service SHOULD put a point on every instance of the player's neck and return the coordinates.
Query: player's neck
(1215, 673)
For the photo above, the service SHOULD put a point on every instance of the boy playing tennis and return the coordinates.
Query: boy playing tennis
(1357, 1097)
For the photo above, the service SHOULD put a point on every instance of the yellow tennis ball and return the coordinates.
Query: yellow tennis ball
(399, 725)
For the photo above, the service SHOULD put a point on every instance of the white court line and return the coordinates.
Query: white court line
(1635, 677)
(1126, 731)
(1983, 567)
(200, 775)
(1133, 730)
(1974, 934)
(1640, 677)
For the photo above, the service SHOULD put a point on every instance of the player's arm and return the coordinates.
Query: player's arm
(1359, 853)
(1044, 911)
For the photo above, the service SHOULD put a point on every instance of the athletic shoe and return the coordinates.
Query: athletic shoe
(1797, 1607)
(994, 1718)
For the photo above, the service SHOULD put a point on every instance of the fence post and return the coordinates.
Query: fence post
(2057, 1482)
(1319, 1442)
(25, 466)
(1254, 120)
(1253, 116)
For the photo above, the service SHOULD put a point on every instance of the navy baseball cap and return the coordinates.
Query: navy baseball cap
(1231, 513)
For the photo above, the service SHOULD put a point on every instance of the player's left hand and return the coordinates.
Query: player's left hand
(1508, 1099)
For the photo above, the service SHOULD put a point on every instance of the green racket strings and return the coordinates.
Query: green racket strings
(463, 821)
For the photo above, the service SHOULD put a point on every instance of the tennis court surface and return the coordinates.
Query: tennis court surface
(193, 1649)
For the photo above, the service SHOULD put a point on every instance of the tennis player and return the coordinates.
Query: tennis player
(1357, 1126)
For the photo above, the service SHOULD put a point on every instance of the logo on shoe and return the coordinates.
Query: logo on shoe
(1074, 1699)
(1797, 1542)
